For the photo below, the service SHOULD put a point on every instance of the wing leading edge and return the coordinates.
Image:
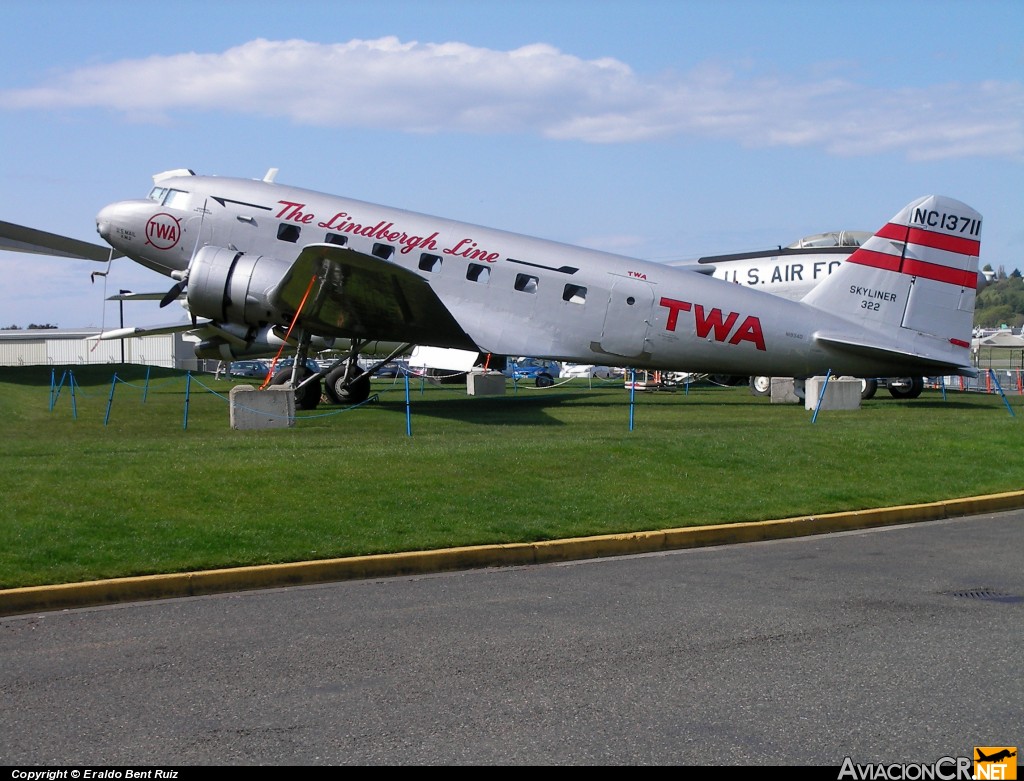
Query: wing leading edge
(18, 238)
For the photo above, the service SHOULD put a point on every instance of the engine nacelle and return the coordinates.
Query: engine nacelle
(238, 342)
(231, 286)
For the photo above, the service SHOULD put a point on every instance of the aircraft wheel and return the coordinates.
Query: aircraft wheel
(545, 380)
(907, 387)
(355, 393)
(868, 390)
(761, 386)
(306, 397)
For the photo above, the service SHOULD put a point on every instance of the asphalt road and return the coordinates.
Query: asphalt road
(900, 644)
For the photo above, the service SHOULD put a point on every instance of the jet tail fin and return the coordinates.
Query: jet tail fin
(913, 282)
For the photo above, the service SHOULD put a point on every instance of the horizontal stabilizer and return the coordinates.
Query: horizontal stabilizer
(890, 354)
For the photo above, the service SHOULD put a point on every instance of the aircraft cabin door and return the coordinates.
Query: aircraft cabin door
(628, 318)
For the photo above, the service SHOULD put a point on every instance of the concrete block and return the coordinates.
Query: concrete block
(841, 393)
(258, 409)
(784, 391)
(489, 384)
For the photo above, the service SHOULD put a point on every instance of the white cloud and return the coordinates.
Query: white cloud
(455, 87)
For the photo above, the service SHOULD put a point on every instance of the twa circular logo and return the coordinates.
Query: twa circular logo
(163, 231)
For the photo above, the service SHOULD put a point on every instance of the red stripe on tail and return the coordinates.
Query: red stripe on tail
(926, 238)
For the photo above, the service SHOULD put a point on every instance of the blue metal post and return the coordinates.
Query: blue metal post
(1006, 401)
(145, 390)
(408, 410)
(110, 399)
(74, 401)
(632, 395)
(821, 395)
(56, 395)
(188, 387)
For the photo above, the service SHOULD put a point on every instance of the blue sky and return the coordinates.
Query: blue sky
(664, 130)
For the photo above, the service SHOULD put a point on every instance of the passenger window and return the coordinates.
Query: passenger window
(383, 251)
(574, 294)
(336, 238)
(288, 232)
(526, 283)
(431, 263)
(477, 273)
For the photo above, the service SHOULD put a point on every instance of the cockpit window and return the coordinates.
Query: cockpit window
(166, 196)
(176, 199)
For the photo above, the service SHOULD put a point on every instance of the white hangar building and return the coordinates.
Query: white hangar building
(72, 346)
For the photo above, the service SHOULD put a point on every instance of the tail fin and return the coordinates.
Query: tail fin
(914, 281)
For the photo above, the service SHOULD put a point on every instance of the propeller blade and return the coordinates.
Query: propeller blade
(172, 295)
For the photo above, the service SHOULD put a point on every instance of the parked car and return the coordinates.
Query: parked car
(248, 369)
(586, 370)
(286, 363)
(537, 369)
(397, 368)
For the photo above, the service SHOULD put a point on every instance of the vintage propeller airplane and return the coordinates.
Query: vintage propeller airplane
(257, 262)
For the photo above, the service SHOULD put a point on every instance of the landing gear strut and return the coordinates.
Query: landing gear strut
(304, 380)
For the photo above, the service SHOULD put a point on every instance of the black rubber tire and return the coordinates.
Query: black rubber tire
(869, 389)
(545, 380)
(306, 397)
(356, 392)
(910, 392)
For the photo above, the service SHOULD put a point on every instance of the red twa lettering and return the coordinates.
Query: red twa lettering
(674, 308)
(163, 231)
(713, 320)
(714, 323)
(749, 331)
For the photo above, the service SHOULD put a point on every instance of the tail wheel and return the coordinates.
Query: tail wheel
(761, 386)
(353, 393)
(308, 396)
(906, 387)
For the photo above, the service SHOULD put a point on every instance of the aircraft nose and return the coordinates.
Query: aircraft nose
(105, 221)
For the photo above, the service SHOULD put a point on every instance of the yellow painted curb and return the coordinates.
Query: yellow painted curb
(100, 592)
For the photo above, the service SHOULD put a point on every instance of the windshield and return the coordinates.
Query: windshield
(167, 196)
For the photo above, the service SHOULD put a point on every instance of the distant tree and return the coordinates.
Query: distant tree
(1015, 274)
(39, 326)
(1000, 302)
(13, 327)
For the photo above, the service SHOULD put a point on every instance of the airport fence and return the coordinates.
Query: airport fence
(989, 381)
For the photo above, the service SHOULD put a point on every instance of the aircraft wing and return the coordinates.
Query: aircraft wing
(151, 330)
(137, 297)
(364, 296)
(888, 353)
(18, 238)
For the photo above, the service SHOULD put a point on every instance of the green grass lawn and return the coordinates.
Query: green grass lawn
(145, 494)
